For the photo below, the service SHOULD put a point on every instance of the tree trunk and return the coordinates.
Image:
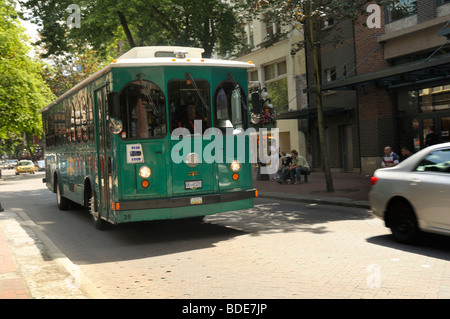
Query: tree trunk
(317, 58)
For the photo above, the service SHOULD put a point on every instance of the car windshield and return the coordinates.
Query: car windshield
(23, 163)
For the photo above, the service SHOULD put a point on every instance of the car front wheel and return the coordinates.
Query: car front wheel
(403, 223)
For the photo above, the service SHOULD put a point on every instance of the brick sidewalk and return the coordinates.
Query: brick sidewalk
(349, 186)
(12, 286)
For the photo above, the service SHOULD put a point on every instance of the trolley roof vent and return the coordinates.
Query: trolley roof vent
(162, 52)
(180, 54)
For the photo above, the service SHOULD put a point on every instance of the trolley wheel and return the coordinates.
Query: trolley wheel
(63, 203)
(99, 223)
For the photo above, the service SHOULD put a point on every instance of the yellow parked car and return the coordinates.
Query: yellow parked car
(25, 166)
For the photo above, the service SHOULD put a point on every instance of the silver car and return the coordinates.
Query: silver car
(414, 195)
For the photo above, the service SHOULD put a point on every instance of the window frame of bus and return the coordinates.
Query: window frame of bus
(125, 111)
(179, 107)
(228, 94)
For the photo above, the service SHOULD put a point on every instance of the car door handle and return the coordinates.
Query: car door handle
(415, 181)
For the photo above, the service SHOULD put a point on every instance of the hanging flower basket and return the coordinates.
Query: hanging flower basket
(267, 118)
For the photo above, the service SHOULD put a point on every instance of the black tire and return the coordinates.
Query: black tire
(403, 223)
(99, 223)
(196, 219)
(62, 202)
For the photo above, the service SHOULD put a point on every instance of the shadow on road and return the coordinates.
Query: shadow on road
(431, 245)
(74, 234)
(268, 216)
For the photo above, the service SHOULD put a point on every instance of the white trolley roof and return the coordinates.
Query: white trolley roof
(153, 56)
(172, 55)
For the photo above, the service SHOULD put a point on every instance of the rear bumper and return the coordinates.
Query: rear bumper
(187, 201)
(26, 170)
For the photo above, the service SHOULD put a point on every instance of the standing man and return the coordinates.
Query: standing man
(431, 138)
(390, 158)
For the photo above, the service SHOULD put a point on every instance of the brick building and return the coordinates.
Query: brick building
(394, 91)
(339, 107)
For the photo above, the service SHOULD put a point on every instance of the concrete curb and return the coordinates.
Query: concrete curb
(336, 201)
(55, 253)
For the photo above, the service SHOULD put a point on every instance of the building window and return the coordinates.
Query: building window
(442, 2)
(269, 29)
(328, 23)
(278, 95)
(270, 71)
(247, 35)
(276, 85)
(274, 70)
(281, 68)
(400, 10)
(330, 75)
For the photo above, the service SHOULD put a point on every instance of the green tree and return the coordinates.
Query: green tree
(23, 92)
(210, 24)
(65, 71)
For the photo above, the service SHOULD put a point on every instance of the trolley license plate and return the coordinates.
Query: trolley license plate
(196, 200)
(193, 184)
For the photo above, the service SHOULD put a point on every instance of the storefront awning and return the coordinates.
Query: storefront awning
(410, 76)
(311, 112)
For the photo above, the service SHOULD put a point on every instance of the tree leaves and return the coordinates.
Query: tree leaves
(210, 24)
(22, 90)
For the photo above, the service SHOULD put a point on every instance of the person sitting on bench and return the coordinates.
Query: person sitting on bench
(298, 167)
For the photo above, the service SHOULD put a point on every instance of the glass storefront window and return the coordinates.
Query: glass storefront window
(434, 99)
(445, 129)
(424, 117)
(401, 9)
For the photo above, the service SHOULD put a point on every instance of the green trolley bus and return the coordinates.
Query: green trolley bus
(152, 136)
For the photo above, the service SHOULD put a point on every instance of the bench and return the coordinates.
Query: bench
(305, 175)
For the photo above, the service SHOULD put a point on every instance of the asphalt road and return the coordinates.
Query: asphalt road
(277, 250)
